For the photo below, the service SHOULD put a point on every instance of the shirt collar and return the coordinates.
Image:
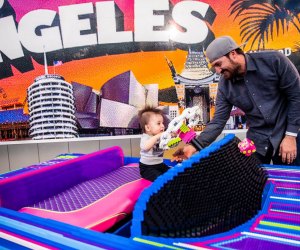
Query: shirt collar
(249, 63)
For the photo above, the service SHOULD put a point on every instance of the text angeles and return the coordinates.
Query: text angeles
(102, 23)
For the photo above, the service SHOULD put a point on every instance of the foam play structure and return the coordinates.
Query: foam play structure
(217, 199)
(92, 191)
(200, 198)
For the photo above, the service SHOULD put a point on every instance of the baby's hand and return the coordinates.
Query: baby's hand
(173, 134)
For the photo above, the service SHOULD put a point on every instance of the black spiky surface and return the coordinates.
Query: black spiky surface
(211, 196)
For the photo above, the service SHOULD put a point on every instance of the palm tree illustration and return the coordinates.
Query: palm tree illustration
(262, 20)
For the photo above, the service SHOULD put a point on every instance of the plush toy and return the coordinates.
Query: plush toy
(247, 147)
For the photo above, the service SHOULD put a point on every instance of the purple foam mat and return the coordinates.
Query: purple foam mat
(274, 173)
(31, 187)
(246, 242)
(290, 208)
(287, 191)
(90, 191)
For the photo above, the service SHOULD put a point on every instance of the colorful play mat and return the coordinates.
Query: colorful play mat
(217, 199)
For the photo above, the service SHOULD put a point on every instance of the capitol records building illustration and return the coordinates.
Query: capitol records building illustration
(51, 108)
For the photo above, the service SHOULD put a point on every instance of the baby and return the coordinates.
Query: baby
(151, 161)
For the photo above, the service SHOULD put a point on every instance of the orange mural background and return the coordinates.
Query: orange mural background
(148, 67)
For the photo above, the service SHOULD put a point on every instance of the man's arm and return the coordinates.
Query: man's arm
(215, 127)
(290, 86)
(288, 149)
(212, 130)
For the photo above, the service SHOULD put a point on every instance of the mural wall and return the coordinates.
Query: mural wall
(74, 68)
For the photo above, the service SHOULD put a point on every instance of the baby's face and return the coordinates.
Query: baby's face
(155, 125)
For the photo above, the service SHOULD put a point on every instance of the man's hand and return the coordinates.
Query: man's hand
(288, 149)
(183, 153)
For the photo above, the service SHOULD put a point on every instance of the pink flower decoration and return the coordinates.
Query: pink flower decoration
(247, 147)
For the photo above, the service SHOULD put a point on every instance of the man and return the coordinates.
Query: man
(297, 161)
(266, 86)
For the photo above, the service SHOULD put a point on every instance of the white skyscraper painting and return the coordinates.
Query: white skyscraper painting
(51, 108)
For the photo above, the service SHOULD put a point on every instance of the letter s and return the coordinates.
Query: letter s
(196, 29)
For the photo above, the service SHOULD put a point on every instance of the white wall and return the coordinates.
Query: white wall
(18, 154)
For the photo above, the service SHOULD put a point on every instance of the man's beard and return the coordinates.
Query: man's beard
(226, 74)
(230, 74)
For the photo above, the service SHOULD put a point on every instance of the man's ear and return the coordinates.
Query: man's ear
(233, 54)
